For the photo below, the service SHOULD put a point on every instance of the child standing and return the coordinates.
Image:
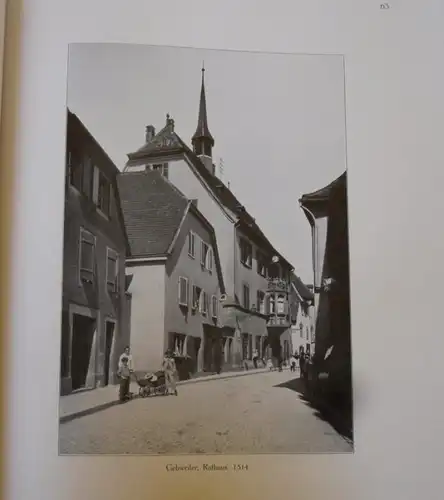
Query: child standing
(270, 364)
(124, 373)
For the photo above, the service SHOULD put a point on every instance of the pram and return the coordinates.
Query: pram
(152, 385)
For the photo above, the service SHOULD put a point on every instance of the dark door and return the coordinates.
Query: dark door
(82, 340)
(110, 326)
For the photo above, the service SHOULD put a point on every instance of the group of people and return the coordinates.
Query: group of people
(304, 360)
(126, 369)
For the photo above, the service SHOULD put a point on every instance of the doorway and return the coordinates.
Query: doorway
(110, 327)
(83, 328)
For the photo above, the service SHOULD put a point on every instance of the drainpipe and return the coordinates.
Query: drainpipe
(312, 218)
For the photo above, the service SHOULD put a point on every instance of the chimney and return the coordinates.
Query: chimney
(150, 132)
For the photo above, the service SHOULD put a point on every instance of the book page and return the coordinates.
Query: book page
(222, 272)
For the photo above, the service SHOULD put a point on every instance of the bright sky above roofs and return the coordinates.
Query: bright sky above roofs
(278, 121)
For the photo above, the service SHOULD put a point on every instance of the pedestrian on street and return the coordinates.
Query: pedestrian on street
(125, 376)
(255, 358)
(126, 354)
(292, 364)
(302, 363)
(169, 367)
(270, 364)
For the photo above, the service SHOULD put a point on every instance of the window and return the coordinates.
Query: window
(191, 244)
(261, 301)
(177, 343)
(87, 181)
(87, 245)
(111, 270)
(196, 297)
(281, 304)
(308, 332)
(183, 291)
(301, 328)
(214, 306)
(204, 254)
(104, 194)
(246, 296)
(246, 251)
(271, 304)
(258, 345)
(75, 169)
(261, 266)
(204, 303)
(162, 168)
(209, 264)
(245, 345)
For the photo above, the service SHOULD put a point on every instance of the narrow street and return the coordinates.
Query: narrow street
(249, 414)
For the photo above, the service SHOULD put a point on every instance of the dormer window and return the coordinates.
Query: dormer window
(162, 168)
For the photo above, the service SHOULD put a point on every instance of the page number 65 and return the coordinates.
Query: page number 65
(384, 6)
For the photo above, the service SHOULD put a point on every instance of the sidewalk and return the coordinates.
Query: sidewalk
(85, 403)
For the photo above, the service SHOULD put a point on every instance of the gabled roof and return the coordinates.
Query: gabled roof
(302, 290)
(167, 142)
(153, 210)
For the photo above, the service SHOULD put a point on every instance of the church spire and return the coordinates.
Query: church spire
(202, 139)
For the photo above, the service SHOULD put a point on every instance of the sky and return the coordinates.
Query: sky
(278, 121)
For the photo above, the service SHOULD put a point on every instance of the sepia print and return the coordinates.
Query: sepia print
(206, 305)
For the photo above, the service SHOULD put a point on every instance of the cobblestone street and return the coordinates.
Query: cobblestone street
(248, 414)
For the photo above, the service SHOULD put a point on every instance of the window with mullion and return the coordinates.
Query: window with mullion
(112, 271)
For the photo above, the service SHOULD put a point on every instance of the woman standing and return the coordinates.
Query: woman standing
(169, 367)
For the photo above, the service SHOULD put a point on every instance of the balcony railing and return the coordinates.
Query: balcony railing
(277, 285)
(275, 320)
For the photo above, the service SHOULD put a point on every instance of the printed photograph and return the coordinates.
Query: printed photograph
(205, 297)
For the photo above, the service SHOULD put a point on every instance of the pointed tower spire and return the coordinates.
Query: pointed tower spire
(202, 139)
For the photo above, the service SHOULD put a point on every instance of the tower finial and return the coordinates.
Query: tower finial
(202, 139)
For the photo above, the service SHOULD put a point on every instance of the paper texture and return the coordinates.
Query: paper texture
(394, 115)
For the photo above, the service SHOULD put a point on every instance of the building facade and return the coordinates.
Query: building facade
(176, 278)
(302, 314)
(95, 306)
(255, 305)
(327, 212)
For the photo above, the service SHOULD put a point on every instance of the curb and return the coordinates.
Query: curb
(94, 409)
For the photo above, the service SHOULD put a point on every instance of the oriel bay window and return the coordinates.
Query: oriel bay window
(281, 304)
(111, 270)
(87, 256)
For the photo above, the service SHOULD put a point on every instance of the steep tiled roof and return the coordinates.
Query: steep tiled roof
(153, 210)
(303, 291)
